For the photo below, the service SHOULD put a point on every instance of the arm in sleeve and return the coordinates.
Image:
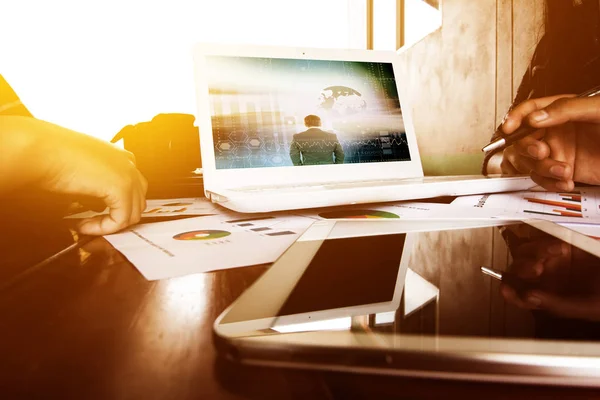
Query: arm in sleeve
(338, 151)
(295, 153)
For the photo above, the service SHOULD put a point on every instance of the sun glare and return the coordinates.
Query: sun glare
(96, 66)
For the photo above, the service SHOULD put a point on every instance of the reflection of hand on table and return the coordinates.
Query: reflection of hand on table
(566, 279)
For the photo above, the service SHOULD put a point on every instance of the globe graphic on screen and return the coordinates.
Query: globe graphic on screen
(341, 100)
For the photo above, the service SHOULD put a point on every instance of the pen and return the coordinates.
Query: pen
(519, 285)
(506, 140)
(83, 240)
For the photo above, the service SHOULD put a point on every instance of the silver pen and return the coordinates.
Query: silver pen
(506, 140)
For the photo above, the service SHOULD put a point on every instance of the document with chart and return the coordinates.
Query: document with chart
(579, 206)
(163, 250)
(187, 246)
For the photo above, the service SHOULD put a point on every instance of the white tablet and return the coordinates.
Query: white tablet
(409, 298)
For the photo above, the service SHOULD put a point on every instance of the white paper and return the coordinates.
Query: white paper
(579, 206)
(592, 231)
(167, 208)
(400, 210)
(174, 248)
(230, 240)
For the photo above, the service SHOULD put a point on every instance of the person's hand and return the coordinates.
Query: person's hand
(87, 166)
(566, 280)
(566, 147)
(63, 161)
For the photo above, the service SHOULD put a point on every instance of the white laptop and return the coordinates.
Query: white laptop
(291, 128)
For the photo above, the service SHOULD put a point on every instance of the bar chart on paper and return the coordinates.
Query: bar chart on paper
(554, 204)
(271, 226)
(582, 205)
(187, 246)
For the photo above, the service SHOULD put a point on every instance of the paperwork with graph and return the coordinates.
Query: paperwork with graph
(167, 249)
(228, 240)
(403, 210)
(581, 206)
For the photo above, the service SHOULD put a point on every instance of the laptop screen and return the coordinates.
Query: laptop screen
(277, 112)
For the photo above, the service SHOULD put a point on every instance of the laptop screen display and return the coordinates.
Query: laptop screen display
(277, 112)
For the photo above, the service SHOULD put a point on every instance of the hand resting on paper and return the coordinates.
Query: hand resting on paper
(565, 279)
(566, 147)
(55, 159)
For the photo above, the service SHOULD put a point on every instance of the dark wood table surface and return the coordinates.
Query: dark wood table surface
(89, 326)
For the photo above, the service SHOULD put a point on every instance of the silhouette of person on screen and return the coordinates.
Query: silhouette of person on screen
(314, 146)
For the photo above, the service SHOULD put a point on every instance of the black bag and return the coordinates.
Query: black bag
(167, 152)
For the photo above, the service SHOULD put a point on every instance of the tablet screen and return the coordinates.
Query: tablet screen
(551, 286)
(347, 272)
(532, 317)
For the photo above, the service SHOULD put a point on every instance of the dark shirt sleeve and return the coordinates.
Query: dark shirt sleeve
(10, 104)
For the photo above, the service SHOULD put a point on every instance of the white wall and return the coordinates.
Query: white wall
(95, 66)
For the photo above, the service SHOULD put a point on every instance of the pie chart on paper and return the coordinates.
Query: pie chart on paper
(206, 234)
(358, 214)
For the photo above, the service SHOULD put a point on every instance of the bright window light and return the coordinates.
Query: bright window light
(384, 25)
(420, 19)
(96, 66)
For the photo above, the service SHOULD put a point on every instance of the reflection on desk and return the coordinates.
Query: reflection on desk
(89, 326)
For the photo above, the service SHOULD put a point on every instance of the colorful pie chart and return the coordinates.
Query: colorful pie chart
(201, 235)
(357, 214)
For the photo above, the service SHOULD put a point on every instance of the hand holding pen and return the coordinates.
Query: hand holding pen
(556, 140)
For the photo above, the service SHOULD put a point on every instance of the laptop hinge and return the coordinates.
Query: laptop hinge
(214, 197)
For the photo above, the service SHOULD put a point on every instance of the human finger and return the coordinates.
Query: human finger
(510, 296)
(572, 307)
(531, 146)
(513, 159)
(91, 203)
(143, 190)
(541, 248)
(551, 184)
(530, 258)
(514, 118)
(586, 109)
(143, 203)
(143, 183)
(528, 268)
(136, 207)
(120, 206)
(550, 168)
(129, 156)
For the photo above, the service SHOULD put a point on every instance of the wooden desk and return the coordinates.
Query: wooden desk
(89, 326)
